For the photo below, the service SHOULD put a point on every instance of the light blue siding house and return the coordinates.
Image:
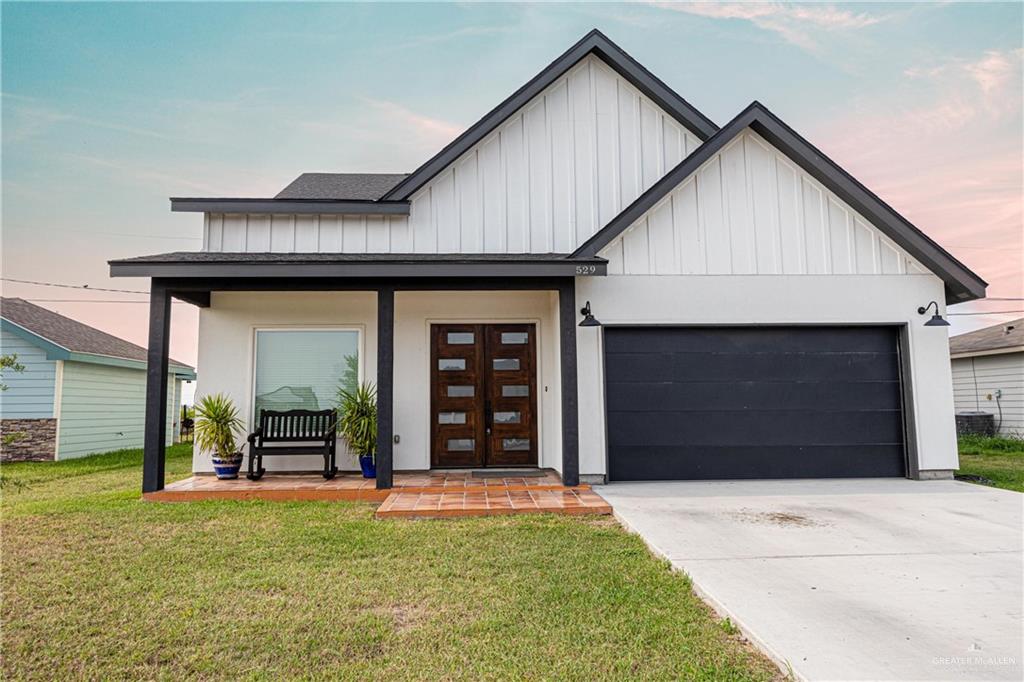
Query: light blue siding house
(81, 391)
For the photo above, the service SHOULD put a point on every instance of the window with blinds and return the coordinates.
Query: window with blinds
(304, 369)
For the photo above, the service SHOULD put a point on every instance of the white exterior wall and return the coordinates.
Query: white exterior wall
(750, 210)
(779, 299)
(227, 349)
(226, 353)
(544, 181)
(976, 380)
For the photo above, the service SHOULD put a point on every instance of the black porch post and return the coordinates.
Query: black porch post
(385, 384)
(570, 399)
(154, 442)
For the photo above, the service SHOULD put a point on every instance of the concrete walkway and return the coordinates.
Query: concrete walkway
(883, 579)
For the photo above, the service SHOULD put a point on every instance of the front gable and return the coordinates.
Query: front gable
(554, 172)
(746, 220)
(747, 210)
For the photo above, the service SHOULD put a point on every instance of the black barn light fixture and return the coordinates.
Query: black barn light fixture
(588, 317)
(936, 320)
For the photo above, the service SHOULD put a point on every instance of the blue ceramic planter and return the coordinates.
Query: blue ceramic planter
(227, 469)
(368, 467)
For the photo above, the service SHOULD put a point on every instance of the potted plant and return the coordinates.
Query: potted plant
(216, 426)
(357, 424)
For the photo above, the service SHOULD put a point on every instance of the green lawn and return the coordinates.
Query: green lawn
(97, 584)
(1000, 460)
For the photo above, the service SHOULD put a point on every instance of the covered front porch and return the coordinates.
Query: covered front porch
(395, 304)
(429, 494)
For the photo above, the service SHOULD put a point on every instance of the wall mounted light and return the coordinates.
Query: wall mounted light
(936, 320)
(588, 317)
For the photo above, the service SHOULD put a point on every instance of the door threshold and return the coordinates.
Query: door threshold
(530, 472)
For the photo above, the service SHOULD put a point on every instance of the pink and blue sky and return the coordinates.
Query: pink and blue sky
(109, 109)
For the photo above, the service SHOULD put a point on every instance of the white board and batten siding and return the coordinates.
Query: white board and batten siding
(544, 181)
(749, 210)
(251, 233)
(976, 380)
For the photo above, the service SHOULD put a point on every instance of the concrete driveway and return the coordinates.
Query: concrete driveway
(884, 579)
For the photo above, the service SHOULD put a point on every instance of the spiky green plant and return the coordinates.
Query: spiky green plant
(357, 420)
(217, 425)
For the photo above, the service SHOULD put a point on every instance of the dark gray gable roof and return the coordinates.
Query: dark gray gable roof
(595, 43)
(70, 334)
(989, 338)
(341, 186)
(961, 283)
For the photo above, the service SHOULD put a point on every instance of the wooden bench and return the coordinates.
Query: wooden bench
(295, 432)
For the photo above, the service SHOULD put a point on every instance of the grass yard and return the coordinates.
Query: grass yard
(1001, 460)
(98, 584)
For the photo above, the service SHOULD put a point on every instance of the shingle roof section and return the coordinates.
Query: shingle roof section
(70, 334)
(341, 186)
(265, 257)
(989, 338)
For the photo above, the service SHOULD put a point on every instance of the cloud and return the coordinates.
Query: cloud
(423, 126)
(794, 23)
(31, 118)
(992, 81)
(464, 32)
(946, 152)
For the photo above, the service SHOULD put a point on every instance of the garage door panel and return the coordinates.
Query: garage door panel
(752, 462)
(747, 366)
(753, 402)
(741, 428)
(751, 395)
(754, 339)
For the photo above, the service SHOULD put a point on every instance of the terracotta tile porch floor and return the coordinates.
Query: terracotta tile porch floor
(434, 494)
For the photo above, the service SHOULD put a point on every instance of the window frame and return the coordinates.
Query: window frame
(359, 329)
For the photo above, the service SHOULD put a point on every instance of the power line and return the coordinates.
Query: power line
(82, 300)
(72, 286)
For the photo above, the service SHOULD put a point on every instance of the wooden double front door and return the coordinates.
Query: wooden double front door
(483, 382)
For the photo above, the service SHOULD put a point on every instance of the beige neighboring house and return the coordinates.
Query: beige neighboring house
(988, 374)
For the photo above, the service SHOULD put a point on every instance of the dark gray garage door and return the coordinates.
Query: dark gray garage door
(753, 402)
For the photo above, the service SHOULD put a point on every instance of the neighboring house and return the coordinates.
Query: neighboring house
(82, 390)
(988, 374)
(754, 308)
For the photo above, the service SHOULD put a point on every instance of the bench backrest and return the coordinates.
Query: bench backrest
(297, 425)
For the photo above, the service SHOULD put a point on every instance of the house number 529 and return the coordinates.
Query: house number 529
(586, 269)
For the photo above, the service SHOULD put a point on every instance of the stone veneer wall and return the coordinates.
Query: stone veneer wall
(38, 442)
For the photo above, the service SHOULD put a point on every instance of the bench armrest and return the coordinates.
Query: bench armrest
(254, 435)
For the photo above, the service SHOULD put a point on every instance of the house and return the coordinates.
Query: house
(988, 374)
(81, 391)
(594, 278)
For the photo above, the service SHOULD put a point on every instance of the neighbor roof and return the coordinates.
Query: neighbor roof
(341, 186)
(79, 341)
(961, 283)
(1006, 336)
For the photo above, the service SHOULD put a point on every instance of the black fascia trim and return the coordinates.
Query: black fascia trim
(594, 42)
(288, 206)
(192, 289)
(371, 270)
(961, 283)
